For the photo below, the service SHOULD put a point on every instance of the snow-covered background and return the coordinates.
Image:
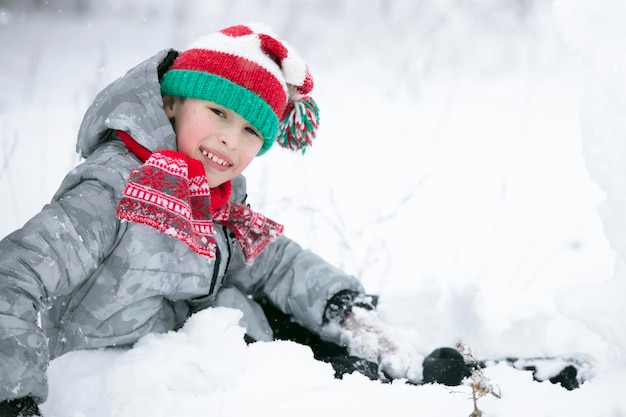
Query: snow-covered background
(470, 169)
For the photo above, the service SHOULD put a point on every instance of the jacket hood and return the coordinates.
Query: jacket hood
(132, 103)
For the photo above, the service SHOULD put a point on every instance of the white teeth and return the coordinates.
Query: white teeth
(215, 158)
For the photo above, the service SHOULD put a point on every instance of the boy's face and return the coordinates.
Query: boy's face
(221, 139)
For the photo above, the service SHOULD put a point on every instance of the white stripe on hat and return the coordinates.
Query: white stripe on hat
(248, 47)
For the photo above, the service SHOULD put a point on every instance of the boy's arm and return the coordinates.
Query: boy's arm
(50, 255)
(296, 281)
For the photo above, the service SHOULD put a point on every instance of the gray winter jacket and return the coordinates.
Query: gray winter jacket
(75, 277)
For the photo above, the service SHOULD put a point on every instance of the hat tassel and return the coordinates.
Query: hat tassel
(299, 126)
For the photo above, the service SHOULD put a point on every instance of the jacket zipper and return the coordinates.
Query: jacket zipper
(216, 269)
(218, 261)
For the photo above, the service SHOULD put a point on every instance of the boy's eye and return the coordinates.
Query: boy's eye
(218, 112)
(253, 131)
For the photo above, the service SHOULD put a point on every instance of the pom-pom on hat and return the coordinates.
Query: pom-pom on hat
(247, 69)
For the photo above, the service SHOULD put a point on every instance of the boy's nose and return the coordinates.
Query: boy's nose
(230, 138)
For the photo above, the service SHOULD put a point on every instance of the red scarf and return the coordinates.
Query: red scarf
(170, 192)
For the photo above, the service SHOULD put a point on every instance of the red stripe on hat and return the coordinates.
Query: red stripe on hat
(273, 48)
(307, 84)
(236, 31)
(248, 74)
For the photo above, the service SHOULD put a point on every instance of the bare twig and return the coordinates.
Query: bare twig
(478, 381)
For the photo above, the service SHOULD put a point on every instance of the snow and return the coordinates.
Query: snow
(469, 169)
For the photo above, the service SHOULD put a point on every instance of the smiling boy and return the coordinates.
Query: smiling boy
(153, 225)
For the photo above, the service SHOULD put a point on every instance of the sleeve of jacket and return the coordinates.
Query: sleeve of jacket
(295, 280)
(50, 255)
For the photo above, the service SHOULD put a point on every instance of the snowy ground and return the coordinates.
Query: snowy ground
(452, 174)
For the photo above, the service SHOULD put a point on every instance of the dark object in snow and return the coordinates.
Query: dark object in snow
(19, 407)
(571, 373)
(567, 378)
(445, 366)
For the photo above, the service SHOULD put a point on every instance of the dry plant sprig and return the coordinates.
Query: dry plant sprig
(478, 381)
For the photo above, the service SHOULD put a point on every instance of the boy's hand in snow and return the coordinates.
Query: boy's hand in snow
(367, 337)
(352, 321)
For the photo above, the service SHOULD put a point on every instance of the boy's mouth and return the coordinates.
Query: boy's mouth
(214, 158)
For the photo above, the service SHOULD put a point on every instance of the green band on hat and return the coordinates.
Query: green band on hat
(211, 87)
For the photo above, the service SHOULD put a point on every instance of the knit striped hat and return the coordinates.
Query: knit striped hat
(247, 69)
